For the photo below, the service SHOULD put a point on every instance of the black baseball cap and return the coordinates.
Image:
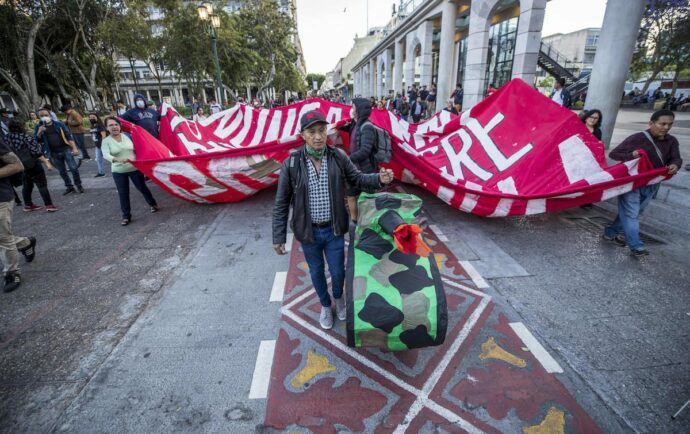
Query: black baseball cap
(310, 118)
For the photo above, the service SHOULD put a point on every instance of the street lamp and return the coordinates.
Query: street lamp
(212, 23)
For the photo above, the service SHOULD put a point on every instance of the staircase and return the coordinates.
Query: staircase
(551, 61)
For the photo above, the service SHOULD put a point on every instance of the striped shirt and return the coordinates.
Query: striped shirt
(319, 196)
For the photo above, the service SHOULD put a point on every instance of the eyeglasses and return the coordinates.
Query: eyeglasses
(596, 118)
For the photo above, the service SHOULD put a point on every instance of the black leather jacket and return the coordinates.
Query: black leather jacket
(293, 189)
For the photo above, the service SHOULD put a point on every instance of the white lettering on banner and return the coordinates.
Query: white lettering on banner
(482, 134)
(507, 186)
(335, 114)
(224, 170)
(289, 123)
(274, 128)
(536, 206)
(248, 118)
(163, 171)
(457, 160)
(503, 208)
(223, 130)
(399, 128)
(432, 125)
(193, 147)
(305, 108)
(579, 162)
(260, 127)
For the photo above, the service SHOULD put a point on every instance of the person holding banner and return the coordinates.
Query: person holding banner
(312, 180)
(362, 147)
(119, 150)
(145, 117)
(663, 151)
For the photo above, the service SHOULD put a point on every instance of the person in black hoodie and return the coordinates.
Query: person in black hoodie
(147, 118)
(362, 147)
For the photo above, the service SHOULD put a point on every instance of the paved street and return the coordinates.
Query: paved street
(187, 321)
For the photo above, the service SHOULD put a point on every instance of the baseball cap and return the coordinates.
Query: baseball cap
(310, 118)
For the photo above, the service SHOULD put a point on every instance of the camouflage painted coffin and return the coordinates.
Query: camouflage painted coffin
(396, 301)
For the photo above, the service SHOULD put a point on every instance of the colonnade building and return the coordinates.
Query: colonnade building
(473, 43)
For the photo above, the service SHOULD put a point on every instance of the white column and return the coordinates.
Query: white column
(445, 60)
(388, 72)
(372, 77)
(412, 42)
(477, 52)
(249, 94)
(398, 69)
(528, 39)
(612, 60)
(427, 29)
(380, 66)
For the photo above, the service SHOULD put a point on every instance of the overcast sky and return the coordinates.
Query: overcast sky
(327, 27)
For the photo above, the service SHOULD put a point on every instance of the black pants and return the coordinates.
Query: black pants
(36, 175)
(122, 184)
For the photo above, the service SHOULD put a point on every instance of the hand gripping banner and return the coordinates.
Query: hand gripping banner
(515, 153)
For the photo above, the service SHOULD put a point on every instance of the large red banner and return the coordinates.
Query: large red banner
(515, 153)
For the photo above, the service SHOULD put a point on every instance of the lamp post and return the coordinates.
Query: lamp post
(212, 23)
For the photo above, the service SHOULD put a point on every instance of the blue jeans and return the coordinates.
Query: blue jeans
(99, 161)
(79, 141)
(334, 248)
(62, 158)
(630, 207)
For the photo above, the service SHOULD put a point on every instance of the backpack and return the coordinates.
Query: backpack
(383, 152)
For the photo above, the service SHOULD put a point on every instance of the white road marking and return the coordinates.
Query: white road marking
(438, 233)
(288, 241)
(278, 286)
(262, 370)
(549, 363)
(422, 395)
(474, 274)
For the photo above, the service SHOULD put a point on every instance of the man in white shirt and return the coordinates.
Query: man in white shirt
(560, 94)
(214, 107)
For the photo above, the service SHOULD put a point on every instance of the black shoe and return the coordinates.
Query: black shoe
(639, 252)
(68, 191)
(80, 189)
(12, 281)
(79, 160)
(99, 175)
(29, 251)
(125, 222)
(87, 158)
(155, 208)
(618, 240)
(18, 203)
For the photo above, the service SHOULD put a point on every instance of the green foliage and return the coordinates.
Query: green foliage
(578, 105)
(311, 77)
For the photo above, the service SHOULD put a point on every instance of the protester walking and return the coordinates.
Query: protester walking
(142, 116)
(663, 151)
(592, 120)
(75, 122)
(417, 109)
(560, 94)
(29, 152)
(312, 182)
(362, 147)
(98, 133)
(119, 150)
(10, 244)
(59, 147)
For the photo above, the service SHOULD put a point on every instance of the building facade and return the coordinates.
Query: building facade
(578, 47)
(473, 43)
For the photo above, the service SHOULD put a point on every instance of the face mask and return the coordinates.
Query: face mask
(45, 119)
(317, 154)
(141, 104)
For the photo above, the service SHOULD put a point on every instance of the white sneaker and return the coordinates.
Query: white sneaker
(326, 318)
(340, 308)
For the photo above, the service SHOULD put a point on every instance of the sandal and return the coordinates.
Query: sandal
(125, 222)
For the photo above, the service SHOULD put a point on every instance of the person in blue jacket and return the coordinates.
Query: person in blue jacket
(147, 118)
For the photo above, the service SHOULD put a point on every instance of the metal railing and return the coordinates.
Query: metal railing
(554, 54)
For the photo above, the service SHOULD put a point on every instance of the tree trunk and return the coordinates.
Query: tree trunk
(676, 76)
(651, 78)
(35, 99)
(132, 61)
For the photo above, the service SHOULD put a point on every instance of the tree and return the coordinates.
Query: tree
(269, 34)
(312, 77)
(664, 38)
(21, 21)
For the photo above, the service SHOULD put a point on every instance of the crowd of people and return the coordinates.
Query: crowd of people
(319, 216)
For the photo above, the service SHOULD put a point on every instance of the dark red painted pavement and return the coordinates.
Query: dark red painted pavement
(482, 379)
